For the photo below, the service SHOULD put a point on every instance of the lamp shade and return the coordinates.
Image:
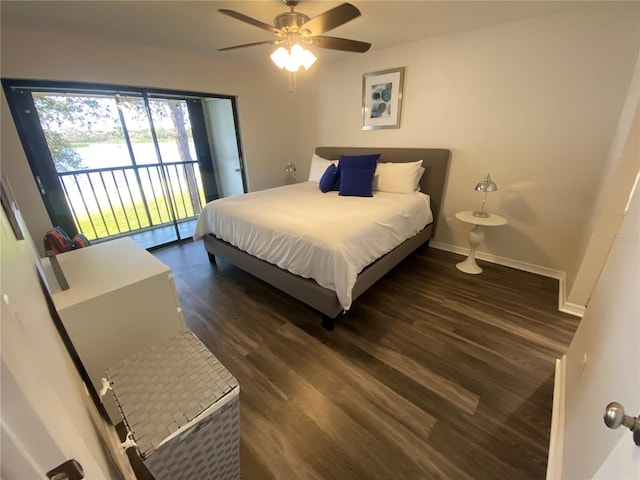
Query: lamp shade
(486, 185)
(280, 57)
(296, 52)
(307, 59)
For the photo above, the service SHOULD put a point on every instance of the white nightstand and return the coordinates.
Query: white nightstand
(476, 236)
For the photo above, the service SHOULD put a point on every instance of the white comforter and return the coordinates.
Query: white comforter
(316, 235)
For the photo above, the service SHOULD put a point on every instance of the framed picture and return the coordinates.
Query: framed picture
(10, 206)
(382, 99)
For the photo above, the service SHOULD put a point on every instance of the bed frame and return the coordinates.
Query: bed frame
(434, 180)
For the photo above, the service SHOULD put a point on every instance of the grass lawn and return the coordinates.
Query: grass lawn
(116, 219)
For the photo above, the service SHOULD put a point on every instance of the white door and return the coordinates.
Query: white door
(603, 365)
(47, 416)
(224, 146)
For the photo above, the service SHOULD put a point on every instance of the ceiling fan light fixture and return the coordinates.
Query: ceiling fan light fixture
(294, 59)
(294, 29)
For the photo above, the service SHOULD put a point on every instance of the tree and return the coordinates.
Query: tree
(60, 115)
(177, 116)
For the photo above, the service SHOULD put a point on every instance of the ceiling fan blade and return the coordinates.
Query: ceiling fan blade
(340, 44)
(255, 44)
(330, 19)
(249, 20)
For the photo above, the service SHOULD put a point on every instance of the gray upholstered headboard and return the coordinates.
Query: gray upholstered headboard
(435, 160)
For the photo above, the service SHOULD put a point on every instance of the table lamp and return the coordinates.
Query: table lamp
(290, 173)
(487, 185)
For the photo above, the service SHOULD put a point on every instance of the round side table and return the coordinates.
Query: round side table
(476, 237)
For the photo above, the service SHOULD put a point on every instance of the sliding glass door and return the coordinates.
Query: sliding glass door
(114, 162)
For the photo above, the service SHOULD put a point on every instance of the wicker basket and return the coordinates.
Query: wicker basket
(182, 408)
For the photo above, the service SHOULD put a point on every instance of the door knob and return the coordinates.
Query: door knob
(614, 417)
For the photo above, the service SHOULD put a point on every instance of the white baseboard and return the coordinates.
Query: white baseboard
(573, 309)
(556, 439)
(563, 305)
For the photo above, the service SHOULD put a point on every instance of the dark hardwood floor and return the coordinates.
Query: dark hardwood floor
(433, 373)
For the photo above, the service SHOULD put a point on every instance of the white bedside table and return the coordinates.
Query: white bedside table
(476, 237)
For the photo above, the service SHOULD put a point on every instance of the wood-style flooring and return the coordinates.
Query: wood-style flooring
(434, 373)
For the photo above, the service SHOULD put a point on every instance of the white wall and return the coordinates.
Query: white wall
(262, 104)
(535, 102)
(618, 176)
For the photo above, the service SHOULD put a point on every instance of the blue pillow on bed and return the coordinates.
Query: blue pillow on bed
(356, 182)
(356, 174)
(330, 179)
(359, 161)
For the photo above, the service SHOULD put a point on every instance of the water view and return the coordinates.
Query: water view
(109, 155)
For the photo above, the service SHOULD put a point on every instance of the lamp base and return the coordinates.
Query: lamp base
(481, 214)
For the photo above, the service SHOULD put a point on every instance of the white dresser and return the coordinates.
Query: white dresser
(121, 299)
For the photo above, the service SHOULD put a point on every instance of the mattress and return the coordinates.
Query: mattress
(321, 236)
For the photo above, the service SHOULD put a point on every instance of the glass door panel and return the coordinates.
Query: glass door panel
(172, 125)
(220, 124)
(151, 178)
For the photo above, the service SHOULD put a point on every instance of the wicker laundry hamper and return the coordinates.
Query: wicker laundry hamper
(181, 407)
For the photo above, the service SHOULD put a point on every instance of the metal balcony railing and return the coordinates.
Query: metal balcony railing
(107, 202)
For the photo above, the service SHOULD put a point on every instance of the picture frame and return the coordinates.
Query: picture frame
(382, 99)
(10, 206)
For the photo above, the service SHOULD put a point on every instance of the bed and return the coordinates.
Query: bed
(329, 292)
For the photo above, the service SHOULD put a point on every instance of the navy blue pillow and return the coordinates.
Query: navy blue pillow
(330, 179)
(358, 161)
(356, 174)
(356, 182)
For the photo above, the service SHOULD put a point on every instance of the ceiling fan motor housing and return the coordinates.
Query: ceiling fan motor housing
(290, 21)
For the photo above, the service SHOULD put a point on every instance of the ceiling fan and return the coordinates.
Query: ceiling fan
(294, 29)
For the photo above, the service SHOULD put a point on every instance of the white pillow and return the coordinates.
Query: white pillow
(318, 166)
(421, 171)
(398, 177)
